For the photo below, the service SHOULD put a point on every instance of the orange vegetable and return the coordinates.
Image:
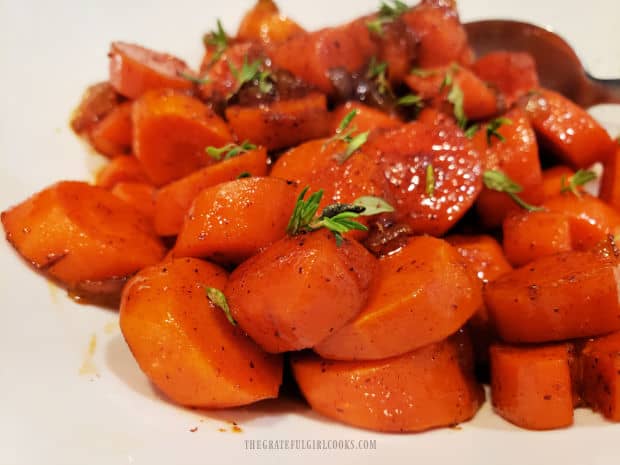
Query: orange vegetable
(135, 69)
(564, 296)
(121, 169)
(281, 124)
(97, 101)
(531, 387)
(366, 118)
(420, 295)
(233, 221)
(112, 136)
(139, 195)
(398, 47)
(512, 73)
(610, 183)
(171, 132)
(185, 344)
(553, 179)
(173, 201)
(600, 361)
(76, 233)
(431, 387)
(297, 292)
(568, 130)
(517, 157)
(265, 24)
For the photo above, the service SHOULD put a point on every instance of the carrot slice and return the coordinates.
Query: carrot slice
(431, 387)
(113, 135)
(300, 290)
(555, 178)
(171, 132)
(281, 124)
(121, 169)
(610, 183)
(135, 69)
(532, 387)
(264, 23)
(185, 344)
(139, 195)
(97, 101)
(174, 200)
(366, 118)
(232, 221)
(600, 361)
(75, 232)
(568, 130)
(564, 296)
(421, 295)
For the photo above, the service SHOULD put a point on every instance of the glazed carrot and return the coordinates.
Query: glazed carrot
(173, 201)
(265, 24)
(406, 153)
(184, 343)
(555, 178)
(610, 183)
(313, 55)
(139, 195)
(171, 132)
(531, 387)
(431, 387)
(420, 295)
(442, 38)
(121, 169)
(112, 136)
(135, 69)
(398, 47)
(564, 296)
(75, 232)
(512, 149)
(600, 362)
(300, 290)
(282, 123)
(97, 101)
(512, 73)
(567, 129)
(366, 119)
(528, 236)
(234, 220)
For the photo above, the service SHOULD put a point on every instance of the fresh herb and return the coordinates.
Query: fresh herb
(577, 180)
(344, 133)
(430, 180)
(423, 73)
(498, 181)
(377, 71)
(217, 39)
(337, 218)
(248, 72)
(448, 79)
(387, 14)
(229, 150)
(218, 299)
(410, 100)
(471, 131)
(492, 129)
(244, 174)
(265, 85)
(195, 79)
(456, 98)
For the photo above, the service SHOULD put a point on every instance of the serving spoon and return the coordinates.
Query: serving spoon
(559, 67)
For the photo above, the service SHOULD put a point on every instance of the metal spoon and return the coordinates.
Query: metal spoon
(559, 67)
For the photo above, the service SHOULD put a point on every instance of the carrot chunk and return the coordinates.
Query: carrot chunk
(97, 101)
(264, 23)
(113, 135)
(121, 169)
(610, 183)
(366, 118)
(140, 196)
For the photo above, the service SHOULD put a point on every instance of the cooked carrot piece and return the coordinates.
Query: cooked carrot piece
(140, 196)
(135, 69)
(173, 201)
(171, 132)
(184, 343)
(555, 178)
(528, 236)
(313, 55)
(300, 290)
(610, 183)
(366, 118)
(600, 362)
(264, 23)
(431, 387)
(512, 73)
(512, 149)
(282, 123)
(568, 130)
(429, 204)
(75, 232)
(398, 47)
(564, 296)
(234, 220)
(421, 294)
(531, 386)
(112, 136)
(97, 101)
(442, 38)
(121, 169)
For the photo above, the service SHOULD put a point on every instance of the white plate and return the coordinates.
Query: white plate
(49, 412)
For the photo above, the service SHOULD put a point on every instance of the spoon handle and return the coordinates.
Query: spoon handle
(604, 90)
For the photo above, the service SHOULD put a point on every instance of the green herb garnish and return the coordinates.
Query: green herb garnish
(344, 133)
(377, 71)
(471, 131)
(387, 13)
(430, 180)
(229, 150)
(248, 73)
(411, 100)
(195, 79)
(423, 73)
(498, 181)
(577, 180)
(218, 299)
(217, 39)
(492, 129)
(245, 174)
(456, 98)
